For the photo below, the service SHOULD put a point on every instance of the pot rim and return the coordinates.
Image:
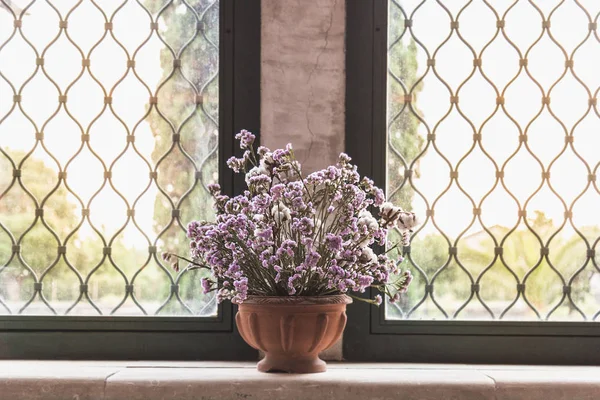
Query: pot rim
(300, 300)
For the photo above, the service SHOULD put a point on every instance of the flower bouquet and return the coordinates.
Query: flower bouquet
(291, 251)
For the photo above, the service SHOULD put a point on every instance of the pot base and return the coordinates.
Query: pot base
(291, 365)
(292, 330)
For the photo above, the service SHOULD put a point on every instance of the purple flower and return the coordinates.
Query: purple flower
(365, 281)
(312, 259)
(307, 242)
(303, 225)
(241, 286)
(332, 173)
(206, 285)
(295, 235)
(280, 156)
(300, 268)
(265, 233)
(246, 139)
(378, 300)
(298, 203)
(214, 188)
(277, 269)
(258, 183)
(379, 197)
(290, 285)
(277, 191)
(236, 164)
(334, 242)
(286, 248)
(233, 270)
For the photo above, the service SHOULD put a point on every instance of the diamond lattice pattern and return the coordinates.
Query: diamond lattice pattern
(494, 139)
(108, 139)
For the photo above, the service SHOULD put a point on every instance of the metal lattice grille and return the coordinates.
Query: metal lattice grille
(494, 138)
(108, 139)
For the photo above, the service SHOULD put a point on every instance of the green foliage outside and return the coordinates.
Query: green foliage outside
(176, 174)
(176, 167)
(430, 252)
(195, 122)
(61, 285)
(404, 141)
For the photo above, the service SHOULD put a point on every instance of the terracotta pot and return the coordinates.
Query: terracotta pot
(292, 331)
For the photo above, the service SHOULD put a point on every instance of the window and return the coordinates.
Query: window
(114, 117)
(482, 117)
(491, 137)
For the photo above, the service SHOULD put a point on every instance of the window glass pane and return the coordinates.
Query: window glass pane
(108, 140)
(493, 139)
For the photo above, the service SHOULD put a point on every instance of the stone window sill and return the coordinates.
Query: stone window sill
(219, 380)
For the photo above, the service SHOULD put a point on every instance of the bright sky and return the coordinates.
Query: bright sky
(477, 99)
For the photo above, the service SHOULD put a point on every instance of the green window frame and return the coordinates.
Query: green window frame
(163, 338)
(369, 336)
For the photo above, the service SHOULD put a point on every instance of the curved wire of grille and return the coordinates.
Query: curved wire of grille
(537, 268)
(121, 275)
